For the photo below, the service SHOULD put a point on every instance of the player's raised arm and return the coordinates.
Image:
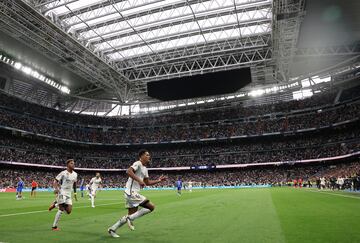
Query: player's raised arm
(153, 182)
(131, 174)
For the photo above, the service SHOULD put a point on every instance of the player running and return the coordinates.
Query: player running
(190, 186)
(19, 189)
(138, 178)
(64, 183)
(94, 184)
(34, 186)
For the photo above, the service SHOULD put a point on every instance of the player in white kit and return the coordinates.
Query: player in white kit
(340, 181)
(190, 186)
(94, 184)
(322, 182)
(64, 183)
(138, 178)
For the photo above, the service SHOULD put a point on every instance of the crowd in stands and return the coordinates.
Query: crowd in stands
(169, 132)
(280, 175)
(207, 115)
(328, 143)
(217, 123)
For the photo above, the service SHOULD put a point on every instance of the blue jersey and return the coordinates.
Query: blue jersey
(20, 184)
(179, 184)
(82, 183)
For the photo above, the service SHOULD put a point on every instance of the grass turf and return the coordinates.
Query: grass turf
(219, 215)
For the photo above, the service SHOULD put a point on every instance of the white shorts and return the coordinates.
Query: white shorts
(93, 191)
(63, 199)
(134, 200)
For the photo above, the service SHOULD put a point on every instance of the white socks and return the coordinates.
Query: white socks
(57, 218)
(92, 200)
(119, 223)
(132, 217)
(139, 214)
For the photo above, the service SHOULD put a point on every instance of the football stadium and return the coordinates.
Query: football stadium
(180, 121)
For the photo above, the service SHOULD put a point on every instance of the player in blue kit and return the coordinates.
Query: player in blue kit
(19, 189)
(179, 186)
(82, 187)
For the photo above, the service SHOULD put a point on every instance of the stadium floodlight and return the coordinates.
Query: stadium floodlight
(257, 92)
(33, 73)
(17, 65)
(26, 70)
(240, 95)
(42, 78)
(65, 89)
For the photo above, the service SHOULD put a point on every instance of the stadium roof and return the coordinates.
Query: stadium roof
(118, 46)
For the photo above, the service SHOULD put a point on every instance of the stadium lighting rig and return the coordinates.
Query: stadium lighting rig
(33, 73)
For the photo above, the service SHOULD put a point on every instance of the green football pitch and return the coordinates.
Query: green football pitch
(218, 215)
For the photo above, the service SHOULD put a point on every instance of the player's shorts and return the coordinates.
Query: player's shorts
(93, 191)
(179, 188)
(63, 199)
(33, 188)
(19, 189)
(134, 200)
(82, 188)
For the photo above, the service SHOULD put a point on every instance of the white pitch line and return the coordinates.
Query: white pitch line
(43, 211)
(335, 194)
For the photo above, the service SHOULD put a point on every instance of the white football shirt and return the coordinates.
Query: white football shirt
(95, 182)
(66, 181)
(141, 172)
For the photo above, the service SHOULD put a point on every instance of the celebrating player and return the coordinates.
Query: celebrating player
(34, 186)
(138, 178)
(94, 184)
(64, 182)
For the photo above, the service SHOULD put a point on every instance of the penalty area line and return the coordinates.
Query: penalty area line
(43, 211)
